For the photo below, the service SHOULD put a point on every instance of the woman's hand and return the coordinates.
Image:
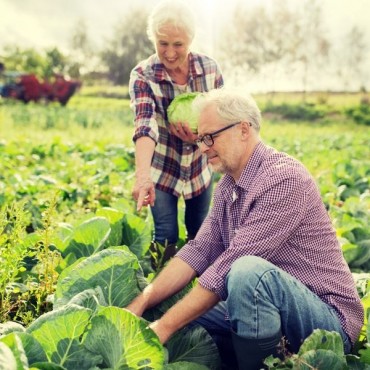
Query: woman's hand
(183, 132)
(143, 192)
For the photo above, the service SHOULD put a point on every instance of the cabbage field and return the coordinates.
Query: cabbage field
(74, 251)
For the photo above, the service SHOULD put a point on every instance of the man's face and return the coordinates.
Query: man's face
(225, 152)
(172, 45)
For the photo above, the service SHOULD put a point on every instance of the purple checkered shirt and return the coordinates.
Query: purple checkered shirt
(275, 211)
(177, 167)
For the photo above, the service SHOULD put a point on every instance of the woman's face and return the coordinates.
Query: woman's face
(172, 46)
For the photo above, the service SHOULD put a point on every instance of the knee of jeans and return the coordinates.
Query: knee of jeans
(246, 269)
(166, 231)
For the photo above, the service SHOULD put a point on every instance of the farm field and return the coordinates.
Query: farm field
(73, 249)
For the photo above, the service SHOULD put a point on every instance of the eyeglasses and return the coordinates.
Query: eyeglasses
(208, 139)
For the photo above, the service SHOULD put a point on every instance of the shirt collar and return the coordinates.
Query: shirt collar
(159, 73)
(260, 153)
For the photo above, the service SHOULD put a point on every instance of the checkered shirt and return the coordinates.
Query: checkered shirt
(275, 211)
(177, 167)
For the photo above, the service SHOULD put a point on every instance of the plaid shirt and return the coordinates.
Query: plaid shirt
(177, 167)
(275, 211)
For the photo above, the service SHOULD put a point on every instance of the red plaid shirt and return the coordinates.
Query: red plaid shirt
(275, 211)
(177, 167)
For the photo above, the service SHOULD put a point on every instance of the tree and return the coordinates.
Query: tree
(312, 51)
(82, 56)
(128, 46)
(352, 57)
(27, 60)
(263, 40)
(56, 61)
(275, 42)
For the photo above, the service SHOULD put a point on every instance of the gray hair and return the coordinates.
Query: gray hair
(176, 13)
(231, 105)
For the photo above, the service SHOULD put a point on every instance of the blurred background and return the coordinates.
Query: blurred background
(268, 45)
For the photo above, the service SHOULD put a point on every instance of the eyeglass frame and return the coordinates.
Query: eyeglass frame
(210, 137)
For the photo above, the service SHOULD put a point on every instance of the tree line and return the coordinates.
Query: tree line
(256, 42)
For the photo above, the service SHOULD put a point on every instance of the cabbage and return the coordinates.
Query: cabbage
(180, 110)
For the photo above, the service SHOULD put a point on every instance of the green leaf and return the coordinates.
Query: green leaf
(184, 365)
(64, 233)
(59, 334)
(113, 270)
(16, 346)
(354, 363)
(9, 327)
(363, 254)
(115, 219)
(350, 251)
(88, 237)
(365, 354)
(320, 359)
(32, 348)
(323, 339)
(136, 234)
(194, 345)
(47, 366)
(7, 358)
(90, 298)
(124, 340)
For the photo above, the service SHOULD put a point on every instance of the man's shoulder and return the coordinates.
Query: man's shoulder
(277, 166)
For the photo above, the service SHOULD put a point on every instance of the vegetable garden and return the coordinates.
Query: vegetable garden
(74, 252)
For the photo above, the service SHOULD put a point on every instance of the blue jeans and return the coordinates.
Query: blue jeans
(263, 300)
(165, 215)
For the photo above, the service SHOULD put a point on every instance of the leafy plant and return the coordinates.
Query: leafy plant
(361, 113)
(300, 112)
(13, 222)
(181, 110)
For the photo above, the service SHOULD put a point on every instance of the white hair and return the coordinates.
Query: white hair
(231, 104)
(174, 12)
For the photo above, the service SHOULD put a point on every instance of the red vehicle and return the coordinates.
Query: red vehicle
(27, 87)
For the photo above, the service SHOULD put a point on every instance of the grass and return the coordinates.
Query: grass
(93, 120)
(332, 99)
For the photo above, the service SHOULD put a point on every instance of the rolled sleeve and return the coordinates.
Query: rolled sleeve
(146, 130)
(186, 253)
(215, 283)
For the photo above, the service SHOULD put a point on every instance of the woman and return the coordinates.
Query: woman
(168, 162)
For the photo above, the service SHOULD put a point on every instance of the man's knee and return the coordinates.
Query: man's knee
(248, 266)
(246, 274)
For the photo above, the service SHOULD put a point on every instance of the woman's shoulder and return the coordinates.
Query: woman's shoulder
(150, 68)
(197, 56)
(201, 64)
(149, 62)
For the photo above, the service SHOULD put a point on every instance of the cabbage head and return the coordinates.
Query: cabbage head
(180, 110)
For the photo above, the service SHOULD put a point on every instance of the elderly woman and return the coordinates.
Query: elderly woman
(168, 162)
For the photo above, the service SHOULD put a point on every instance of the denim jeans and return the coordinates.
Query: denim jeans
(263, 300)
(165, 215)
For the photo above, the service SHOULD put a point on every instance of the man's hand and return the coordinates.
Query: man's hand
(137, 306)
(198, 301)
(163, 334)
(183, 131)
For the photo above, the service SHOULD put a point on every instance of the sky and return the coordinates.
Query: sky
(42, 24)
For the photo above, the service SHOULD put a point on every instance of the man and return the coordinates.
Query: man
(267, 257)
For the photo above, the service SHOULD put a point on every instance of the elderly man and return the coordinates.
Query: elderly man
(267, 257)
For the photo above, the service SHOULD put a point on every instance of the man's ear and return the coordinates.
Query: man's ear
(246, 129)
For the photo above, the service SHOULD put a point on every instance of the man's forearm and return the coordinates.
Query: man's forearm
(198, 301)
(175, 276)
